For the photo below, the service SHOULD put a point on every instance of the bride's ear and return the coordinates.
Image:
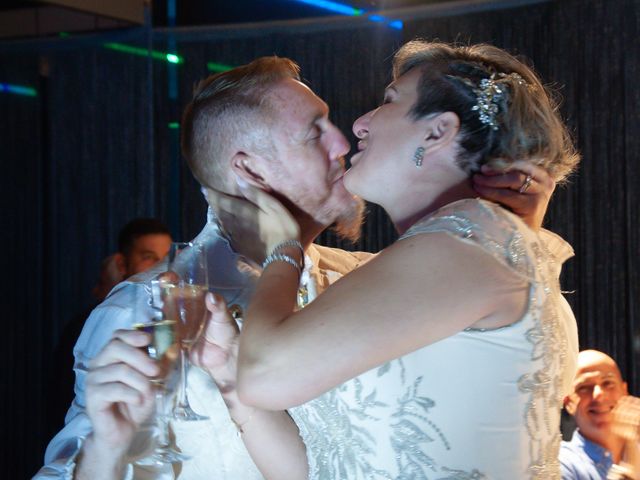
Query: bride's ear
(441, 131)
(250, 168)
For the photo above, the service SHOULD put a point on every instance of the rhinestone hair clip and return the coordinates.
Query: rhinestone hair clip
(489, 96)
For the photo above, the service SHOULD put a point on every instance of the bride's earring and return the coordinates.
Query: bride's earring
(418, 156)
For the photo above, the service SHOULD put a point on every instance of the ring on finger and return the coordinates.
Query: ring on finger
(526, 184)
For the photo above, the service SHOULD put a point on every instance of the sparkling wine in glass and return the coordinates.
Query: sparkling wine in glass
(163, 348)
(185, 302)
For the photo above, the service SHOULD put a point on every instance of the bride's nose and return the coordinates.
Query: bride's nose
(361, 125)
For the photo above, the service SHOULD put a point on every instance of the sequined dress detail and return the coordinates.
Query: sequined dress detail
(481, 404)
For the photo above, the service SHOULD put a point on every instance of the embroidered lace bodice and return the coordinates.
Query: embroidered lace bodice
(476, 405)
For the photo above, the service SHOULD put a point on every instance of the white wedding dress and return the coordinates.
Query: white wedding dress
(476, 405)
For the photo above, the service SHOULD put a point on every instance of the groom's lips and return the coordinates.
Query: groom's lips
(339, 175)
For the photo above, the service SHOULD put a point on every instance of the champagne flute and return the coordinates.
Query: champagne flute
(184, 301)
(164, 349)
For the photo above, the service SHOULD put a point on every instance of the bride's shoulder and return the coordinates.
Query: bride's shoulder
(467, 218)
(486, 225)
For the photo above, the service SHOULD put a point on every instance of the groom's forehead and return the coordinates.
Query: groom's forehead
(296, 106)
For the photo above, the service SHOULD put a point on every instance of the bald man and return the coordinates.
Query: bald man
(596, 448)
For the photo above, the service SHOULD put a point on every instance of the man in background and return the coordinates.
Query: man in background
(597, 449)
(142, 242)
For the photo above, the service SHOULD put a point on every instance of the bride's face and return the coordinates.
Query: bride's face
(388, 138)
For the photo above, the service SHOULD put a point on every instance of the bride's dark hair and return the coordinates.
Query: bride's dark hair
(525, 123)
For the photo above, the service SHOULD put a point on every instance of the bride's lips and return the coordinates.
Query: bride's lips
(362, 145)
(354, 158)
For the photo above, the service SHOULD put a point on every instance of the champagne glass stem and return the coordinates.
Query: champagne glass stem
(163, 453)
(182, 409)
(183, 401)
(162, 423)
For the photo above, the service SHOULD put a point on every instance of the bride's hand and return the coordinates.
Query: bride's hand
(523, 187)
(216, 351)
(259, 217)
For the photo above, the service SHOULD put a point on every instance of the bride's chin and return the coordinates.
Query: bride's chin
(349, 181)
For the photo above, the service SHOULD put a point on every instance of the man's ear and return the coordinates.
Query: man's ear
(570, 403)
(441, 131)
(250, 168)
(121, 263)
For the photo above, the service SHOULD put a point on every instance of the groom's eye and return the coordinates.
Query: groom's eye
(315, 133)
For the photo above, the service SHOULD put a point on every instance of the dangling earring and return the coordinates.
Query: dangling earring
(418, 156)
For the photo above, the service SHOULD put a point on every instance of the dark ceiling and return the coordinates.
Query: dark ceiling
(207, 12)
(29, 18)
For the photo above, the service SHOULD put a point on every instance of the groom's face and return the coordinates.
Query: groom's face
(307, 164)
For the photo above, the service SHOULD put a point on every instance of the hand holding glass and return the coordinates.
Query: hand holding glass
(164, 349)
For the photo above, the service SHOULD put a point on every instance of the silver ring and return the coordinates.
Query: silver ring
(526, 184)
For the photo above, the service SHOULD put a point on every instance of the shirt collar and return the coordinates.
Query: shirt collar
(597, 453)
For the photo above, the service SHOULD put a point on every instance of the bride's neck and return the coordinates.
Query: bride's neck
(413, 210)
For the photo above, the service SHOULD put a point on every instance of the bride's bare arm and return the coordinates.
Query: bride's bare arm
(271, 437)
(418, 291)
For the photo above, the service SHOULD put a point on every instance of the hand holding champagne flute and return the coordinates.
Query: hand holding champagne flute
(119, 400)
(163, 348)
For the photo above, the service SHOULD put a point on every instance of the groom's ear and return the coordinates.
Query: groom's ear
(252, 168)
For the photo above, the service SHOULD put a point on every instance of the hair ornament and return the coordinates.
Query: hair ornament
(515, 77)
(490, 94)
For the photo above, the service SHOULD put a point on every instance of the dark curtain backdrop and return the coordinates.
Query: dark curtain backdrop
(96, 148)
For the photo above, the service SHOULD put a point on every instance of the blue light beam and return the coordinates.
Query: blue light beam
(333, 7)
(18, 90)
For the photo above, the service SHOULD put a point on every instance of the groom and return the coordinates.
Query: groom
(260, 124)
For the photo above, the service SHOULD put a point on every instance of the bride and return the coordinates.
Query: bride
(448, 354)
